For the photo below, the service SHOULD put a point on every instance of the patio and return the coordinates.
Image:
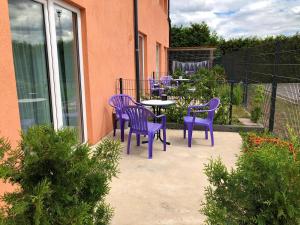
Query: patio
(169, 188)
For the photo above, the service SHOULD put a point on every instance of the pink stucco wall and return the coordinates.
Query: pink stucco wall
(153, 22)
(108, 53)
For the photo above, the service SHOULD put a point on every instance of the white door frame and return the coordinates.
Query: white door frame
(53, 65)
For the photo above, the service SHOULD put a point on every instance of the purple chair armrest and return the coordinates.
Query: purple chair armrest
(204, 110)
(195, 107)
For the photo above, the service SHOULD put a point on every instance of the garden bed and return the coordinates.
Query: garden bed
(222, 128)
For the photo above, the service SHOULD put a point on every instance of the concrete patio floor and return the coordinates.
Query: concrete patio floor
(168, 189)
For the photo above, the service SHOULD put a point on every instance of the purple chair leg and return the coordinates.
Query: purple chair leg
(206, 133)
(184, 130)
(211, 135)
(150, 145)
(122, 126)
(165, 139)
(190, 134)
(138, 139)
(128, 144)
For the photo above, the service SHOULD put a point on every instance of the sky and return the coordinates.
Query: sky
(240, 18)
(27, 22)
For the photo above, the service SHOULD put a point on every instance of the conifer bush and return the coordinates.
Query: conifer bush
(263, 189)
(58, 180)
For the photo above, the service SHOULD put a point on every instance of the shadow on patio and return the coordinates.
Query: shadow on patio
(169, 188)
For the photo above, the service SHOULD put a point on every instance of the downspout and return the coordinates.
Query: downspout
(170, 36)
(169, 20)
(136, 49)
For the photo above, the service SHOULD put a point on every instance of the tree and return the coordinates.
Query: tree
(196, 34)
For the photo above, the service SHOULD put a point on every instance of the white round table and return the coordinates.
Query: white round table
(157, 105)
(158, 102)
(182, 79)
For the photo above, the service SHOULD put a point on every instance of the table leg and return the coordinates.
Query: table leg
(157, 112)
(159, 132)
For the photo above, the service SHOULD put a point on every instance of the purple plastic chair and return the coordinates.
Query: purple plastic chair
(155, 89)
(166, 81)
(140, 125)
(119, 102)
(191, 120)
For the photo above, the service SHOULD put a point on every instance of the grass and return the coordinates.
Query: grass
(239, 112)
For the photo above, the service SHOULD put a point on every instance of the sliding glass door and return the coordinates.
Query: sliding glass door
(48, 68)
(30, 61)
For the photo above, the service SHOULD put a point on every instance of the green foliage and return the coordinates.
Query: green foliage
(257, 102)
(255, 114)
(177, 73)
(263, 188)
(200, 34)
(238, 90)
(60, 181)
(205, 85)
(196, 34)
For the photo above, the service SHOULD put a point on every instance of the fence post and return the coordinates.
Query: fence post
(121, 85)
(231, 102)
(274, 88)
(246, 80)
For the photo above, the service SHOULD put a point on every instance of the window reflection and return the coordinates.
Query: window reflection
(31, 69)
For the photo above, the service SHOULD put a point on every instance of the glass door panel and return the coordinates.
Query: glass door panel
(67, 50)
(29, 44)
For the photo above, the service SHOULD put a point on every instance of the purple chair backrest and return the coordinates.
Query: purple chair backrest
(166, 80)
(213, 105)
(138, 116)
(120, 101)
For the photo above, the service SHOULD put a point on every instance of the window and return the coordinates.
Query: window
(158, 52)
(48, 66)
(166, 71)
(142, 61)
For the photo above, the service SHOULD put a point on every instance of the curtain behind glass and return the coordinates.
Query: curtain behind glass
(30, 62)
(66, 34)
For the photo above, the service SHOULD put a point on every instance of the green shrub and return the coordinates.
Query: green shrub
(177, 73)
(257, 102)
(207, 83)
(60, 181)
(238, 91)
(263, 189)
(223, 91)
(256, 113)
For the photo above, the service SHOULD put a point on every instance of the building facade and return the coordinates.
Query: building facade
(59, 60)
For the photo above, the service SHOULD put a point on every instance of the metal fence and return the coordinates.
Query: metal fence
(275, 68)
